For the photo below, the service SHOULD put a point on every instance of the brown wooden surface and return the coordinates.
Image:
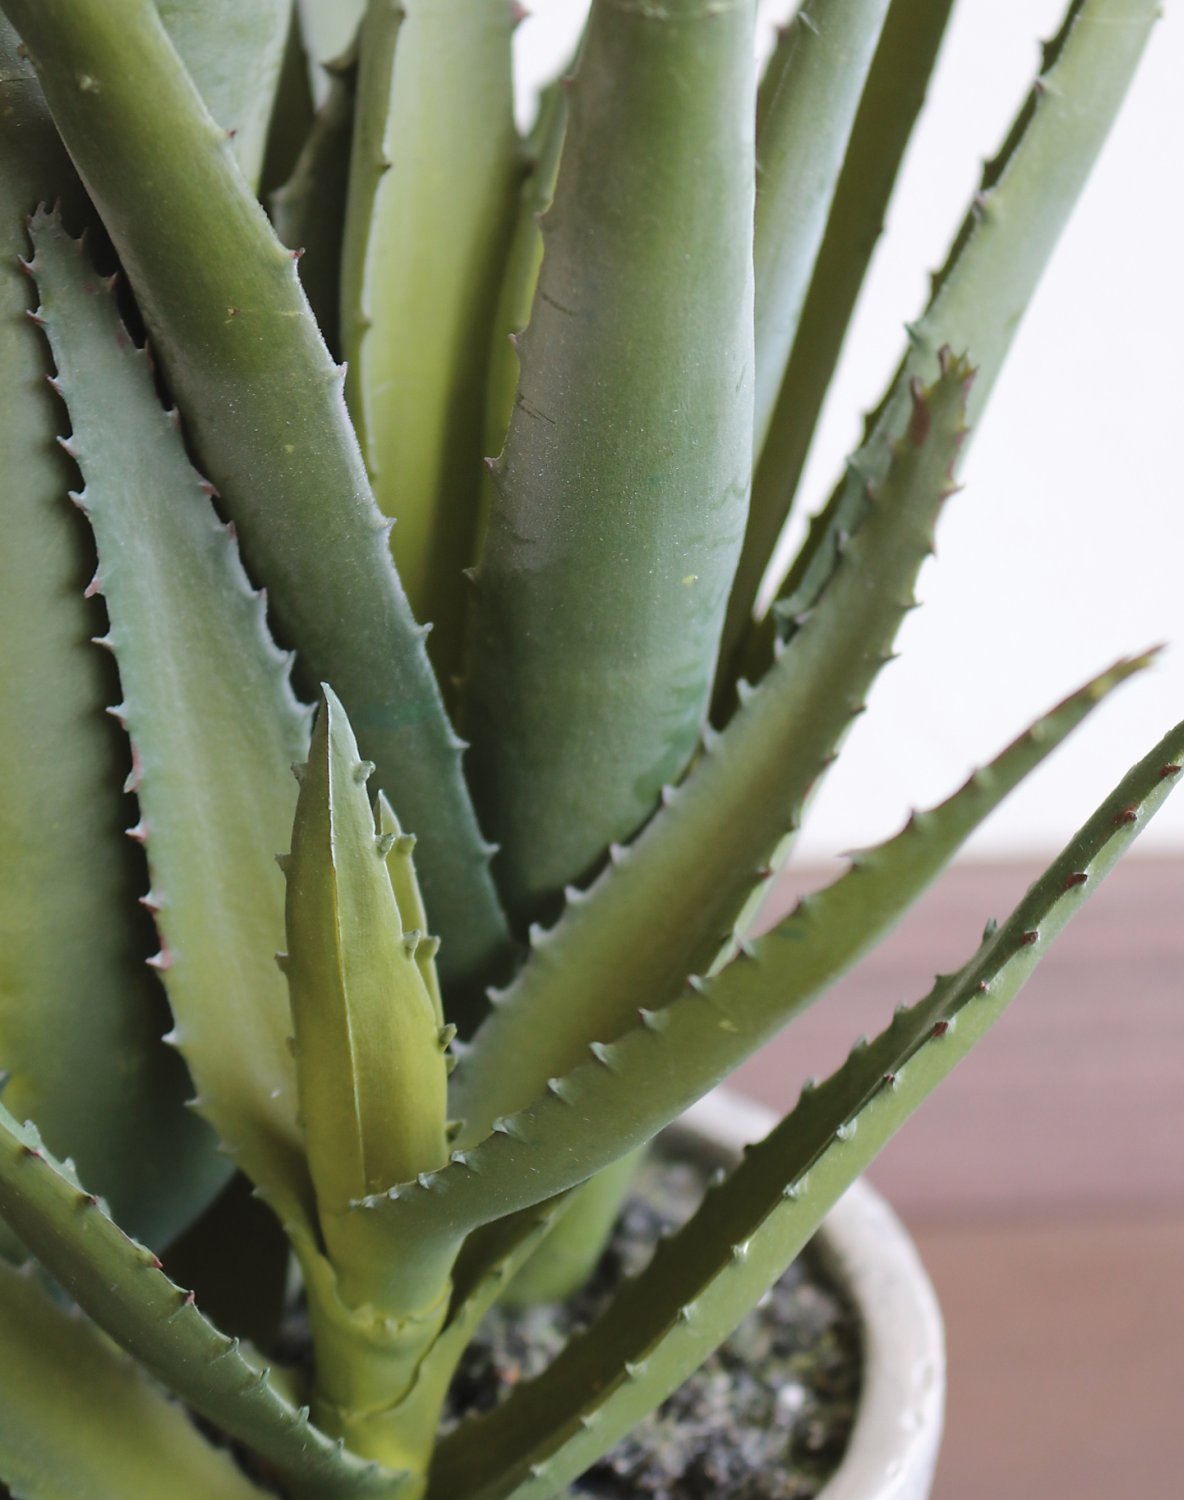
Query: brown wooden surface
(1045, 1186)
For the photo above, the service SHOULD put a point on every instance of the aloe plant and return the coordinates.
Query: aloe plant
(633, 313)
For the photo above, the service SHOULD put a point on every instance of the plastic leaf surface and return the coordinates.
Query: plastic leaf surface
(212, 719)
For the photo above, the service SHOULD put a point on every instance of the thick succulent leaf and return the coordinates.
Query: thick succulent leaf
(635, 1085)
(667, 905)
(370, 1065)
(805, 111)
(327, 27)
(233, 50)
(309, 210)
(1026, 196)
(213, 723)
(122, 1287)
(431, 203)
(544, 148)
(883, 125)
(700, 1283)
(265, 413)
(80, 1016)
(601, 590)
(80, 1421)
(400, 866)
(487, 1266)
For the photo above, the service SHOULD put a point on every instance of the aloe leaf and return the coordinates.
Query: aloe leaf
(430, 211)
(700, 1283)
(544, 148)
(400, 866)
(669, 1057)
(664, 908)
(571, 1250)
(327, 27)
(124, 1290)
(80, 1016)
(1026, 196)
(212, 719)
(233, 51)
(601, 590)
(888, 110)
(309, 210)
(222, 302)
(369, 1050)
(79, 1421)
(805, 111)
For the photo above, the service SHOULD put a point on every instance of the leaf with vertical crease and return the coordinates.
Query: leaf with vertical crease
(619, 499)
(369, 1051)
(669, 901)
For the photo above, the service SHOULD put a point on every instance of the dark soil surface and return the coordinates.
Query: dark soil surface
(766, 1418)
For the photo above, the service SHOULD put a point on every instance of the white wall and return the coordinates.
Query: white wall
(1066, 547)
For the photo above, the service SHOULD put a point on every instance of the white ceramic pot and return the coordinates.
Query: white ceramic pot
(865, 1250)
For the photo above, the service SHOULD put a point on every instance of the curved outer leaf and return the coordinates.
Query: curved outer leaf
(79, 1421)
(635, 1085)
(430, 212)
(264, 410)
(700, 1283)
(1027, 194)
(883, 125)
(369, 1050)
(806, 108)
(620, 497)
(123, 1288)
(212, 719)
(666, 908)
(233, 50)
(80, 1017)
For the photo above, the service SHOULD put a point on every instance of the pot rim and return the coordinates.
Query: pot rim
(864, 1247)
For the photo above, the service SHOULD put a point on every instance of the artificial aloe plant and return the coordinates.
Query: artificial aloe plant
(275, 276)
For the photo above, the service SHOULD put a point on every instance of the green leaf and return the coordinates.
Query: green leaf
(669, 1057)
(309, 210)
(211, 716)
(431, 201)
(80, 1016)
(620, 496)
(328, 27)
(544, 148)
(888, 110)
(805, 112)
(668, 903)
(701, 1282)
(400, 866)
(1026, 196)
(233, 50)
(79, 1421)
(370, 1064)
(122, 1287)
(264, 411)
